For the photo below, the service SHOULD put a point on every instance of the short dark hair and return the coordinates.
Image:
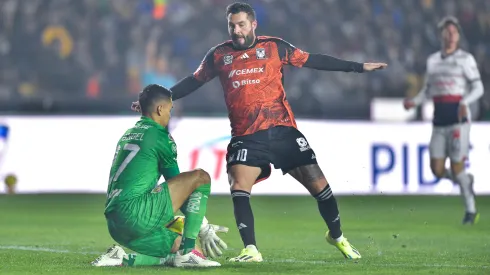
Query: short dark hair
(449, 20)
(238, 7)
(150, 95)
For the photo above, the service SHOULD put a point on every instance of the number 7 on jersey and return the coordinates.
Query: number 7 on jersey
(133, 150)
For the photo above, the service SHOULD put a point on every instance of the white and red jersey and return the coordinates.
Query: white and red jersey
(451, 80)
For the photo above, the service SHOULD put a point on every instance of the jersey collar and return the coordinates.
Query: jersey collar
(251, 46)
(444, 56)
(148, 120)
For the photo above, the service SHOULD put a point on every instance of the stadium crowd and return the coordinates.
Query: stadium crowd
(95, 55)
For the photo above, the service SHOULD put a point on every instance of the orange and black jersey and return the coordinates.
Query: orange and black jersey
(252, 80)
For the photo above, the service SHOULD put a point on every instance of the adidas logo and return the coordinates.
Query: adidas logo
(114, 255)
(191, 260)
(245, 258)
(313, 156)
(244, 56)
(241, 226)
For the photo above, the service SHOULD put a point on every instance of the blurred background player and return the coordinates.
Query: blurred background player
(453, 82)
(138, 210)
(264, 130)
(10, 180)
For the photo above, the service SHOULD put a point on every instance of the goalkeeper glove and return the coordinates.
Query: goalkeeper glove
(210, 242)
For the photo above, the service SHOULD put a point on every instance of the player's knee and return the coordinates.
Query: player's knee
(457, 167)
(317, 186)
(241, 184)
(438, 171)
(202, 177)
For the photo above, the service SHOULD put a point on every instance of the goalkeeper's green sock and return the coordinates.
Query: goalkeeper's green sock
(194, 210)
(143, 260)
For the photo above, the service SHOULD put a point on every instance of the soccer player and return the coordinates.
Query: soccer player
(264, 130)
(140, 214)
(116, 256)
(453, 82)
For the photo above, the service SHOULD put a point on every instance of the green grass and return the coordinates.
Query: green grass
(396, 235)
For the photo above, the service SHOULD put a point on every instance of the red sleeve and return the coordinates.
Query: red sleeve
(206, 70)
(290, 55)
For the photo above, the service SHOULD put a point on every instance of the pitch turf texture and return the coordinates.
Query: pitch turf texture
(61, 234)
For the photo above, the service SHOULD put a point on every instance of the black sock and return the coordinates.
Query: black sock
(329, 211)
(244, 216)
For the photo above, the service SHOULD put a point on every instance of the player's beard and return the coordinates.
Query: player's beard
(248, 41)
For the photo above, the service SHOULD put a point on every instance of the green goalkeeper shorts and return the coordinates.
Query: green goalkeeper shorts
(139, 223)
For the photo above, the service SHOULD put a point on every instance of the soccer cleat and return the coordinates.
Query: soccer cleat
(192, 259)
(113, 257)
(248, 254)
(349, 251)
(471, 218)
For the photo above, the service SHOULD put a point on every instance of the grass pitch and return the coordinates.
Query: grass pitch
(61, 234)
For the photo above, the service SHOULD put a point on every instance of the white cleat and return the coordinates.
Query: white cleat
(192, 259)
(248, 254)
(113, 257)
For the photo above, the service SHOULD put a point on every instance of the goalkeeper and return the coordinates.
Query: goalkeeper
(141, 214)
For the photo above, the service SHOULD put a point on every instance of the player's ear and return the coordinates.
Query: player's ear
(160, 110)
(254, 25)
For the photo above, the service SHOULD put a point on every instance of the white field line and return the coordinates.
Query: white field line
(381, 265)
(45, 249)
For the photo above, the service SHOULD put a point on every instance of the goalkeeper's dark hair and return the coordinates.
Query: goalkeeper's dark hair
(152, 94)
(449, 20)
(238, 7)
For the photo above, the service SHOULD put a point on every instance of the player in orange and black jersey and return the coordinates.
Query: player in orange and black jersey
(263, 126)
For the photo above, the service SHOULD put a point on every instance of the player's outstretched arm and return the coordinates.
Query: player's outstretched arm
(204, 73)
(185, 87)
(291, 55)
(329, 63)
(369, 67)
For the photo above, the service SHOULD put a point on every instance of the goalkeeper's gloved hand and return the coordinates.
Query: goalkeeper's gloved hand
(210, 242)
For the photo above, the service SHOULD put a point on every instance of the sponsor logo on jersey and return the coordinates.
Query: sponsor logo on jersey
(238, 84)
(245, 72)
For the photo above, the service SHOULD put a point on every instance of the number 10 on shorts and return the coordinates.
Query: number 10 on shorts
(241, 155)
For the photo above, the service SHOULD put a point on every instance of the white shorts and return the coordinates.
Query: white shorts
(450, 141)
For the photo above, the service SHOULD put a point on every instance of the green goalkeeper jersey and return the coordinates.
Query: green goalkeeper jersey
(143, 154)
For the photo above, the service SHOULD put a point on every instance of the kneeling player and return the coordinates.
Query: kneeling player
(138, 211)
(116, 256)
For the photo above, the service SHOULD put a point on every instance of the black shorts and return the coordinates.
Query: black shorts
(285, 147)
